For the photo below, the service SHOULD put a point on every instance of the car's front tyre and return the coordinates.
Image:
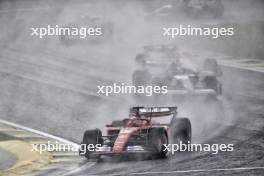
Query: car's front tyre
(90, 137)
(180, 129)
(157, 138)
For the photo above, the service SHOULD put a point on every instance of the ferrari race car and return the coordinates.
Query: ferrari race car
(141, 133)
(88, 22)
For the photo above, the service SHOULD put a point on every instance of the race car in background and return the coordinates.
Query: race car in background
(153, 61)
(89, 22)
(166, 69)
(139, 134)
(180, 8)
(182, 88)
(198, 8)
(157, 56)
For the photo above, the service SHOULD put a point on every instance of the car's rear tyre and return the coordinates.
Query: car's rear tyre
(93, 137)
(212, 66)
(157, 137)
(181, 130)
(211, 82)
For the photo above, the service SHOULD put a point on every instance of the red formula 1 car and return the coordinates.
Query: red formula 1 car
(141, 133)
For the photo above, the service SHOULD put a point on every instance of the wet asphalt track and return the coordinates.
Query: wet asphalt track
(245, 130)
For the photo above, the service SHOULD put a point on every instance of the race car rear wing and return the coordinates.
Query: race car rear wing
(153, 111)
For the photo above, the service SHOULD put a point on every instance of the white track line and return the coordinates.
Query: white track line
(39, 132)
(198, 170)
(242, 68)
(73, 170)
